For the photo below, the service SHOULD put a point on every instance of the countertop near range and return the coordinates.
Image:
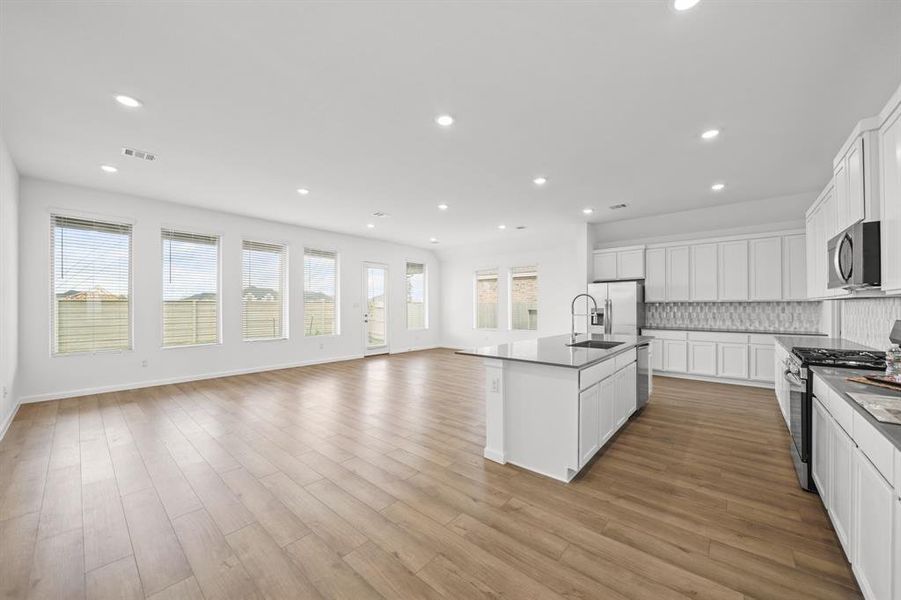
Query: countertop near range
(553, 351)
(790, 341)
(720, 330)
(837, 379)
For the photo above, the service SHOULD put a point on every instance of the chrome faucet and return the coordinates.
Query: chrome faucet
(572, 316)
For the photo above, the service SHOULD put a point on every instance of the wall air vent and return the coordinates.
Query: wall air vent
(135, 153)
(617, 206)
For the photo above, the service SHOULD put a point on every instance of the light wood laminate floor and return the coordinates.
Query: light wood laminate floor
(365, 479)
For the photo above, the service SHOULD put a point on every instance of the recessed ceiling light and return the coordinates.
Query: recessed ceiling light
(684, 4)
(303, 191)
(710, 134)
(718, 187)
(108, 168)
(128, 101)
(501, 226)
(587, 211)
(539, 180)
(370, 225)
(442, 206)
(444, 120)
(433, 240)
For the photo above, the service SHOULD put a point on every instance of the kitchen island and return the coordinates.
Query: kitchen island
(551, 406)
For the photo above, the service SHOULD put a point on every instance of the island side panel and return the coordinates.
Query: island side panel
(494, 411)
(541, 418)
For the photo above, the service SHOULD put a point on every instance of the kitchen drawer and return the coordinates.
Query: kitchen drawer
(625, 358)
(663, 334)
(595, 373)
(875, 446)
(841, 411)
(821, 390)
(761, 338)
(718, 336)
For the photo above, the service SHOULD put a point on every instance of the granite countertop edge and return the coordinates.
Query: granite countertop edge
(606, 354)
(722, 330)
(842, 387)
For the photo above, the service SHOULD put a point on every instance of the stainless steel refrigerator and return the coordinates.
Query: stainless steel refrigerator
(620, 307)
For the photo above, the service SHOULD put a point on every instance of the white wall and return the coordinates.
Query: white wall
(562, 268)
(42, 376)
(9, 262)
(770, 214)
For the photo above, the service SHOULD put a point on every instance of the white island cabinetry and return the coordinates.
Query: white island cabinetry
(551, 407)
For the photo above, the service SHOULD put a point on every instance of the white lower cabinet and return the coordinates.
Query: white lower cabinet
(675, 356)
(762, 362)
(656, 355)
(589, 423)
(874, 563)
(732, 360)
(822, 438)
(841, 482)
(604, 408)
(702, 358)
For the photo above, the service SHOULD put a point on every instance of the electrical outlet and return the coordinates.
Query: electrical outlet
(144, 363)
(495, 385)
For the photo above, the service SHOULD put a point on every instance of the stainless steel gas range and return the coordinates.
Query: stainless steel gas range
(797, 374)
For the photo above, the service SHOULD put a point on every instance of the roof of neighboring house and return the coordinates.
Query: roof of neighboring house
(96, 293)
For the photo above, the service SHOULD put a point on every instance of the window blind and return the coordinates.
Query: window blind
(416, 296)
(190, 288)
(486, 299)
(91, 285)
(263, 291)
(524, 298)
(320, 292)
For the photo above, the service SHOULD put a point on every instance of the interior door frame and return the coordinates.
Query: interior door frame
(364, 272)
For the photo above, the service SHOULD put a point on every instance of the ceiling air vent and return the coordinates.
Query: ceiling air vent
(142, 154)
(617, 206)
(380, 214)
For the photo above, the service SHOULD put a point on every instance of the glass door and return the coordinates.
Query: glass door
(375, 308)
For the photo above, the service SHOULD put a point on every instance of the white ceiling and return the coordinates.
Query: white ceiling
(247, 101)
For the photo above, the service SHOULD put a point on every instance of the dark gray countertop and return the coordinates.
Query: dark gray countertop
(553, 351)
(837, 379)
(716, 330)
(790, 341)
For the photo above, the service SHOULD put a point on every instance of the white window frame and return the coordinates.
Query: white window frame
(303, 290)
(425, 296)
(475, 299)
(219, 319)
(89, 216)
(510, 278)
(286, 296)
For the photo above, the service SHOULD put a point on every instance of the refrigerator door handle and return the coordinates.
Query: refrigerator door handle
(608, 322)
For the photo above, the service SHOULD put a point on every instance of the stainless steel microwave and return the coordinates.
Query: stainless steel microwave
(853, 257)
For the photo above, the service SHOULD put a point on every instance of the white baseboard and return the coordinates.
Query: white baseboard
(415, 349)
(495, 455)
(9, 420)
(747, 382)
(155, 382)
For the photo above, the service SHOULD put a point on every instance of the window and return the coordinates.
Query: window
(486, 299)
(524, 298)
(190, 288)
(320, 292)
(417, 317)
(91, 305)
(263, 311)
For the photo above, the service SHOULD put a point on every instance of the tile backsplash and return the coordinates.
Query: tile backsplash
(869, 321)
(787, 317)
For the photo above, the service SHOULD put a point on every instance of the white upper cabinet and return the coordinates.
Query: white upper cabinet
(840, 196)
(765, 269)
(794, 267)
(678, 274)
(619, 263)
(853, 210)
(655, 282)
(630, 264)
(604, 265)
(733, 270)
(890, 203)
(703, 272)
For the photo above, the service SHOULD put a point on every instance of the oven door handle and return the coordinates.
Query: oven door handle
(793, 379)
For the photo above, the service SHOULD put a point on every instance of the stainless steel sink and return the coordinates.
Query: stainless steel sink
(596, 344)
